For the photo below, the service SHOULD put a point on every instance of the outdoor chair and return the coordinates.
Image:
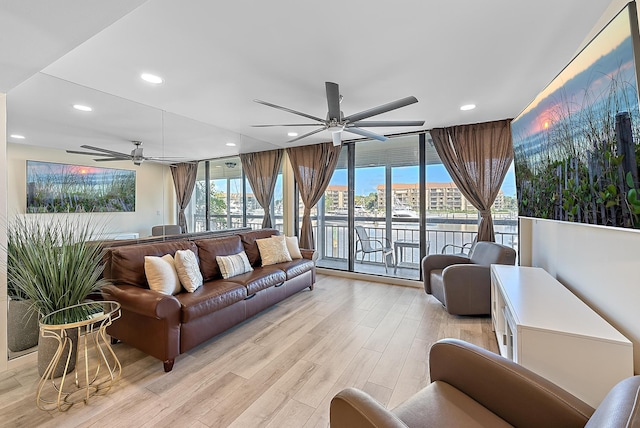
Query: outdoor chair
(463, 250)
(366, 245)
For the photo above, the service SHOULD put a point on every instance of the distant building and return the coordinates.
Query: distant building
(336, 198)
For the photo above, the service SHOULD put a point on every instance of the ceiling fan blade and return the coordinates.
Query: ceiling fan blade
(88, 153)
(381, 109)
(333, 100)
(112, 159)
(286, 124)
(111, 152)
(390, 123)
(299, 113)
(365, 133)
(337, 138)
(307, 134)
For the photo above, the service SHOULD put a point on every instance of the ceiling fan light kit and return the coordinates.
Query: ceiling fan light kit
(337, 123)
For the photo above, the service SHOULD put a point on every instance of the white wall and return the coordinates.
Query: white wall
(155, 196)
(601, 265)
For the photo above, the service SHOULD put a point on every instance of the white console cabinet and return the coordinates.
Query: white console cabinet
(544, 327)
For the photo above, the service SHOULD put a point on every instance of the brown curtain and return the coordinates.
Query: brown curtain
(477, 157)
(261, 170)
(313, 167)
(184, 180)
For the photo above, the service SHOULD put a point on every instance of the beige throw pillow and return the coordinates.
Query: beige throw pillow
(188, 270)
(273, 250)
(292, 246)
(234, 265)
(161, 274)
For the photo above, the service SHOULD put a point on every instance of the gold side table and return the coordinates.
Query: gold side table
(94, 352)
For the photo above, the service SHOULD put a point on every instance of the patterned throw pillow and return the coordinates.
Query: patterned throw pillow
(188, 270)
(161, 274)
(234, 265)
(273, 250)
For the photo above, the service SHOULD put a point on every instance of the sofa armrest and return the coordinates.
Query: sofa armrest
(516, 394)
(439, 261)
(309, 254)
(354, 408)
(142, 301)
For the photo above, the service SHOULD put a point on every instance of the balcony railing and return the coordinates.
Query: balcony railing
(332, 240)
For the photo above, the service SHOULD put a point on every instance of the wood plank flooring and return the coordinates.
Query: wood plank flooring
(279, 369)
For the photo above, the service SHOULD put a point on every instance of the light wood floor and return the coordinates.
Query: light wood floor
(279, 369)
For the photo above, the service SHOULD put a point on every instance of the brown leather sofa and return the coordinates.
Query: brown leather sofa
(463, 283)
(165, 326)
(472, 387)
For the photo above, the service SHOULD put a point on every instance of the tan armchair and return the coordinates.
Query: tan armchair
(472, 387)
(463, 283)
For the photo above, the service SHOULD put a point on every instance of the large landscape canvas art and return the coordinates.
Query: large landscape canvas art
(63, 188)
(576, 145)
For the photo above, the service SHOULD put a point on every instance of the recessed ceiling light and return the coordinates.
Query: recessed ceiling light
(17, 136)
(292, 134)
(82, 107)
(151, 78)
(468, 107)
(231, 144)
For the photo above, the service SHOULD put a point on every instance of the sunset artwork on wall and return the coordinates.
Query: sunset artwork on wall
(576, 145)
(63, 188)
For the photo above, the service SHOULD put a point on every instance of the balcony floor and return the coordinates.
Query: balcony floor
(404, 270)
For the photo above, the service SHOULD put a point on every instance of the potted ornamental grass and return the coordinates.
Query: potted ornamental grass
(54, 263)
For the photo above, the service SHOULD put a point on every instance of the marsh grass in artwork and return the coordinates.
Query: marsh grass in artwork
(63, 188)
(576, 146)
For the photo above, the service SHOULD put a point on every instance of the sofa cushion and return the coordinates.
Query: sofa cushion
(208, 249)
(442, 405)
(273, 250)
(188, 270)
(295, 267)
(260, 278)
(127, 262)
(210, 297)
(234, 265)
(250, 246)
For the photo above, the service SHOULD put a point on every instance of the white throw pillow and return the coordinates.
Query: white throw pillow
(188, 270)
(234, 265)
(273, 250)
(293, 247)
(161, 274)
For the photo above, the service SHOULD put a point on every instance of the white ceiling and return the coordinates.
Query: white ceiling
(217, 57)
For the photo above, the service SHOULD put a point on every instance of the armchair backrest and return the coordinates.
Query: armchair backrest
(488, 253)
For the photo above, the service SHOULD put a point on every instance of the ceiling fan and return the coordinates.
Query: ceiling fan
(336, 122)
(109, 155)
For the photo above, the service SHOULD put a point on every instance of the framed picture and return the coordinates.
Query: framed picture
(577, 145)
(63, 188)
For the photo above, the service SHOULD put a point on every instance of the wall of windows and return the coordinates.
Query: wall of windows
(223, 198)
(388, 205)
(391, 203)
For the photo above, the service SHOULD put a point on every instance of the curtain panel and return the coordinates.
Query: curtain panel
(184, 181)
(477, 157)
(262, 169)
(313, 168)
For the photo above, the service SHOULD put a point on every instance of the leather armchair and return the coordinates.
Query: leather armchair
(463, 283)
(472, 387)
